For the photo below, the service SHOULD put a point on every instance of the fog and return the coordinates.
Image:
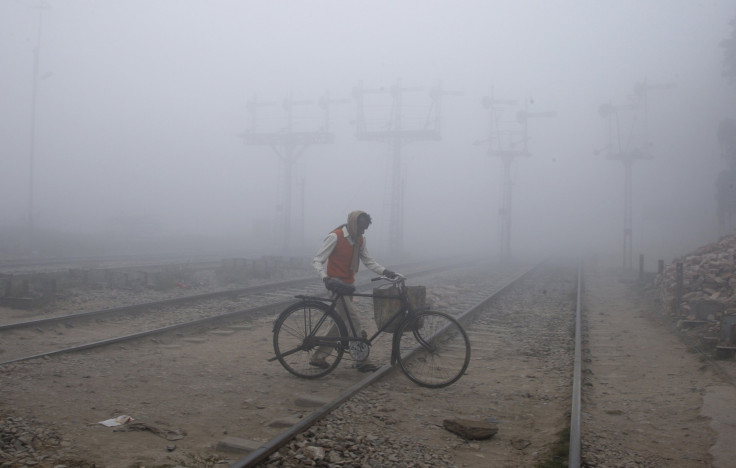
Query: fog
(141, 107)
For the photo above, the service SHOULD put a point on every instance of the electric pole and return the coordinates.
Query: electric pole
(289, 144)
(32, 143)
(629, 145)
(396, 135)
(508, 139)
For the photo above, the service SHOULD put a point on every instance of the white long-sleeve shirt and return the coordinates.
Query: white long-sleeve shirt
(328, 245)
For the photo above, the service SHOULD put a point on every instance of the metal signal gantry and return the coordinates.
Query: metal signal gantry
(396, 135)
(628, 141)
(289, 144)
(508, 139)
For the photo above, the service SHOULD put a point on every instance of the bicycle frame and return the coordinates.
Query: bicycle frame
(353, 334)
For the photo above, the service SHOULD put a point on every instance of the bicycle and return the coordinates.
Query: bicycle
(431, 347)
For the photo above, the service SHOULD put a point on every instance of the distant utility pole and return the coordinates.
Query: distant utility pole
(32, 150)
(289, 144)
(396, 136)
(508, 139)
(726, 180)
(629, 145)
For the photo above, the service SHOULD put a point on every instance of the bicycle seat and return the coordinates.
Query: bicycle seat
(339, 287)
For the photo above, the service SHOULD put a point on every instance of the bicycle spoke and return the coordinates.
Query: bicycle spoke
(300, 342)
(435, 353)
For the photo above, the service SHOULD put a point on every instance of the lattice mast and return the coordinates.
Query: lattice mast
(507, 140)
(289, 144)
(396, 136)
(628, 145)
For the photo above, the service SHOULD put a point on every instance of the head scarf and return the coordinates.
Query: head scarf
(352, 226)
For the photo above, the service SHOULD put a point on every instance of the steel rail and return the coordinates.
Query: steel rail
(574, 447)
(162, 302)
(262, 452)
(155, 331)
(268, 448)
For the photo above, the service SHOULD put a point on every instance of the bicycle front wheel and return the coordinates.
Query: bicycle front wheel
(432, 349)
(306, 339)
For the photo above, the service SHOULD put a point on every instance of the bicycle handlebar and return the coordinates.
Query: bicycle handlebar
(397, 279)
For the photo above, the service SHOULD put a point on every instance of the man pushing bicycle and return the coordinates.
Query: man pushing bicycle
(342, 251)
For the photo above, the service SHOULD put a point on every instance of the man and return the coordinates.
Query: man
(342, 251)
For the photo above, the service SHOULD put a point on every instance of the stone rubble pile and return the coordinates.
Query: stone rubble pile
(708, 291)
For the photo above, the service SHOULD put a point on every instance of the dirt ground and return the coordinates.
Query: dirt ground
(649, 398)
(671, 409)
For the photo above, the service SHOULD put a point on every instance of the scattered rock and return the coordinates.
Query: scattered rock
(315, 453)
(471, 429)
(309, 401)
(520, 444)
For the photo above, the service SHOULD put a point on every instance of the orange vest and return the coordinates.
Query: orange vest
(338, 263)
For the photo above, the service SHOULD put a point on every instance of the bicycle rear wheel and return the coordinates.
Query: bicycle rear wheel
(432, 349)
(299, 339)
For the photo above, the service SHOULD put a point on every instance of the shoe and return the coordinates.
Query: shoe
(367, 368)
(320, 364)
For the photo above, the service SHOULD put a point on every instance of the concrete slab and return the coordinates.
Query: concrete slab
(286, 421)
(309, 401)
(237, 445)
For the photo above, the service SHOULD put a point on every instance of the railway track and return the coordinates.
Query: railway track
(202, 374)
(47, 336)
(469, 304)
(52, 264)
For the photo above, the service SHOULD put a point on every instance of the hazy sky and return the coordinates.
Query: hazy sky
(140, 105)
